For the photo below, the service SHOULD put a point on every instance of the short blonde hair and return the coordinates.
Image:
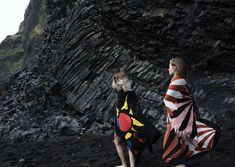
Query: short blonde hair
(121, 81)
(180, 65)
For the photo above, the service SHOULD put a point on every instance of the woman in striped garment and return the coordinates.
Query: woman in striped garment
(186, 133)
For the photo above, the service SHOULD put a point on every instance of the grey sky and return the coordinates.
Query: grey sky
(11, 15)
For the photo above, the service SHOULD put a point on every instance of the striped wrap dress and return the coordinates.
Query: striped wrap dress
(186, 134)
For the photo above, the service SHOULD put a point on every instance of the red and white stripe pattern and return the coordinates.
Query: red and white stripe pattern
(186, 135)
(205, 136)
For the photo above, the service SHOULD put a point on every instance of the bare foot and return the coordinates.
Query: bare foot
(181, 165)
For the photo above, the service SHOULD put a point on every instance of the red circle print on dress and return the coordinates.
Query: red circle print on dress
(124, 121)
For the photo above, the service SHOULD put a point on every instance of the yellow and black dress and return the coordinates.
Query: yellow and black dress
(131, 125)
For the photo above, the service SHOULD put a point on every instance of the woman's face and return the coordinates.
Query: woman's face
(116, 84)
(119, 82)
(171, 69)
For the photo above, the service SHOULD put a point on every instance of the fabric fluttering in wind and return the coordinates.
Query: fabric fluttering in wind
(187, 134)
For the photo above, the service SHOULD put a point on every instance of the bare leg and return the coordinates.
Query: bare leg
(131, 158)
(120, 150)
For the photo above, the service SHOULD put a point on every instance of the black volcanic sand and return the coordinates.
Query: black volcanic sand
(92, 151)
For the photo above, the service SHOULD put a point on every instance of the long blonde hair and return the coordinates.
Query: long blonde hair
(180, 65)
(121, 81)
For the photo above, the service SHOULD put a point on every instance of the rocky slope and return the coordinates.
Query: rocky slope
(11, 53)
(20, 50)
(80, 44)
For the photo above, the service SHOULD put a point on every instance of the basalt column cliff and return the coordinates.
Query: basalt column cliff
(71, 48)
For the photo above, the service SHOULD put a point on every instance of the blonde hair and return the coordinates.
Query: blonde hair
(121, 81)
(180, 65)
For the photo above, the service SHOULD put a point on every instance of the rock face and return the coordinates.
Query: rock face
(139, 36)
(34, 25)
(11, 53)
(78, 45)
(20, 50)
(199, 31)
